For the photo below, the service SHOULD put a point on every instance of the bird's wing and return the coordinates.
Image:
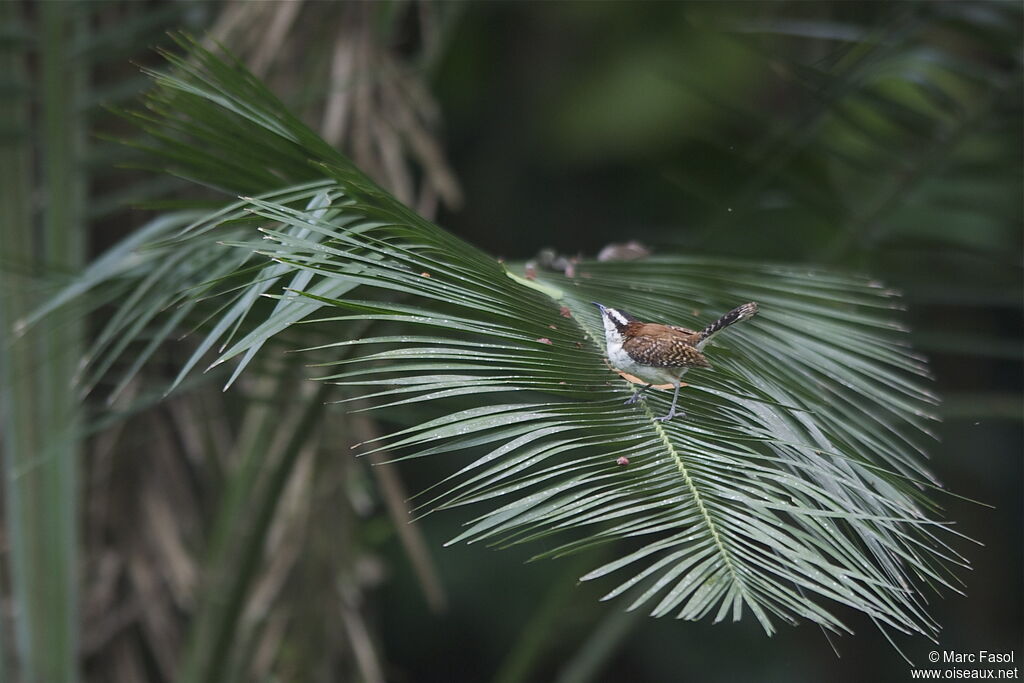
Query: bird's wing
(664, 351)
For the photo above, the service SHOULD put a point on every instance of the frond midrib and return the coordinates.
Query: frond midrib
(698, 499)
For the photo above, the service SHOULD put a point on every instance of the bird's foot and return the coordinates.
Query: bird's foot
(672, 413)
(632, 399)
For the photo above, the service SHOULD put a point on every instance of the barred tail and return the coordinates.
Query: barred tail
(736, 315)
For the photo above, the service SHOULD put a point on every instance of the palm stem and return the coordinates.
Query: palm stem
(238, 538)
(40, 412)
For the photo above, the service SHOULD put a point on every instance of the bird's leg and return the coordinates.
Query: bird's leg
(672, 411)
(636, 395)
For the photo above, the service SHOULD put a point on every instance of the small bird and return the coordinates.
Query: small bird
(660, 354)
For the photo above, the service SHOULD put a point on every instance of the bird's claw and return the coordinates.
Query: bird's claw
(632, 399)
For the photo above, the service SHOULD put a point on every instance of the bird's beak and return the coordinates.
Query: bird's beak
(599, 306)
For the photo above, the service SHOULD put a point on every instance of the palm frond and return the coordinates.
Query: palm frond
(795, 481)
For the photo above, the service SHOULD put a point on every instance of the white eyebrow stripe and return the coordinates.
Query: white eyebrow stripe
(621, 319)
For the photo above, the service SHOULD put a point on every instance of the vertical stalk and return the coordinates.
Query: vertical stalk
(240, 533)
(38, 411)
(15, 216)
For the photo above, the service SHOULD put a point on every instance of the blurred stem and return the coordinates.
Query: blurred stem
(395, 498)
(15, 216)
(546, 626)
(597, 649)
(237, 544)
(39, 410)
